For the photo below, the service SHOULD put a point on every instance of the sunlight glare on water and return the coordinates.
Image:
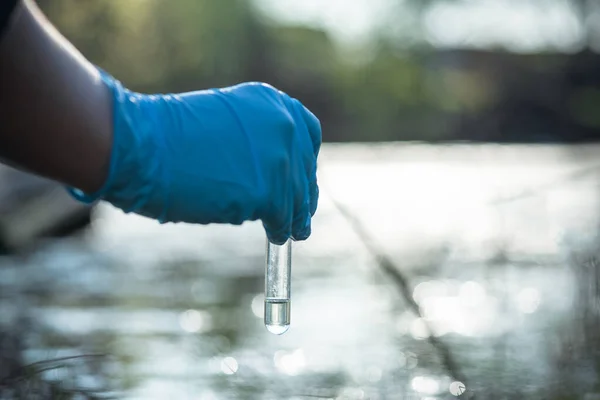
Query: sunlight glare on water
(352, 328)
(429, 288)
(351, 393)
(258, 305)
(528, 300)
(465, 310)
(471, 294)
(457, 388)
(419, 330)
(194, 321)
(207, 395)
(290, 363)
(425, 385)
(229, 365)
(374, 374)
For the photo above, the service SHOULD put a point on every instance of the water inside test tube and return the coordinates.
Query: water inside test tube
(277, 315)
(277, 287)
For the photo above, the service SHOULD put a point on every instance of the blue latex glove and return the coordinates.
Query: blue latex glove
(247, 152)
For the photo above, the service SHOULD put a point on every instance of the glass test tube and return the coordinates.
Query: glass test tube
(278, 273)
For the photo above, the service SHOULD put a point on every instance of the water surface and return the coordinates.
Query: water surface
(497, 246)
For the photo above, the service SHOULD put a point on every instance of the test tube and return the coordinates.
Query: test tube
(278, 273)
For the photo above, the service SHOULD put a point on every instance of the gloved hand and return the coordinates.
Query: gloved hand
(247, 152)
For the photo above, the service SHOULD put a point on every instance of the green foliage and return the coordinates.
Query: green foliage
(380, 93)
(172, 46)
(583, 105)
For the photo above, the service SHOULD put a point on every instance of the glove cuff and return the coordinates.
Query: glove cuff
(134, 164)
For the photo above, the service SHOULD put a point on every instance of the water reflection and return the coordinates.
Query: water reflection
(471, 294)
(229, 365)
(290, 363)
(457, 388)
(374, 374)
(425, 385)
(419, 329)
(528, 300)
(258, 305)
(180, 307)
(194, 321)
(453, 307)
(207, 395)
(351, 393)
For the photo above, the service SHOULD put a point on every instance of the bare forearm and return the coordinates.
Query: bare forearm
(55, 113)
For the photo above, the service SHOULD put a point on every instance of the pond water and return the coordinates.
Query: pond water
(481, 281)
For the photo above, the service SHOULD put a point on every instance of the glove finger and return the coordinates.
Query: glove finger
(301, 223)
(314, 127)
(300, 180)
(314, 197)
(279, 230)
(309, 152)
(278, 219)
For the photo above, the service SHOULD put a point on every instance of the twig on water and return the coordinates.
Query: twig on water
(402, 283)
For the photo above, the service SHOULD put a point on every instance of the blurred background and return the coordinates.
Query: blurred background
(455, 253)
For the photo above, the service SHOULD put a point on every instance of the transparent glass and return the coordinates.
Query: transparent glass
(278, 273)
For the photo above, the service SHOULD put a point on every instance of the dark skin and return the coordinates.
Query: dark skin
(55, 113)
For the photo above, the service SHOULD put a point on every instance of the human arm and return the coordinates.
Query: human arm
(230, 155)
(55, 112)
